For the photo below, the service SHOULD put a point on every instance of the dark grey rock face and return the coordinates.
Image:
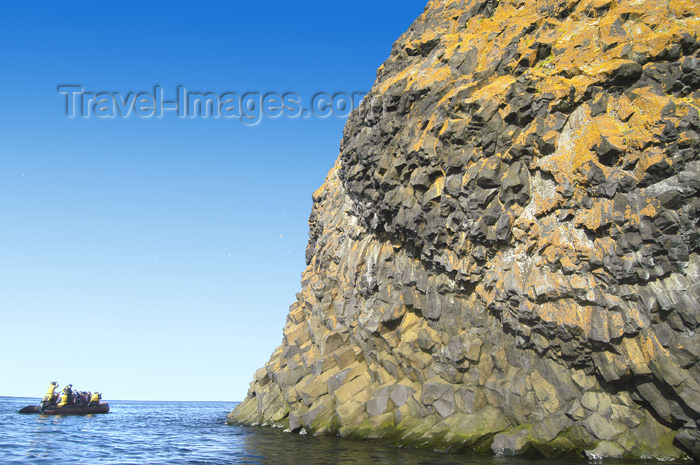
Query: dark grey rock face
(505, 256)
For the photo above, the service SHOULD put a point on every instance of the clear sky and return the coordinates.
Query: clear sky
(156, 258)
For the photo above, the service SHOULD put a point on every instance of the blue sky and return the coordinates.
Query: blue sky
(157, 258)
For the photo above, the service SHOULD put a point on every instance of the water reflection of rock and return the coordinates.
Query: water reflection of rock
(272, 446)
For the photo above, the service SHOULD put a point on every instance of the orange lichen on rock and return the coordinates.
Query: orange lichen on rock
(598, 216)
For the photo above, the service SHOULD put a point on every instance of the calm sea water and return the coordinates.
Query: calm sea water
(191, 433)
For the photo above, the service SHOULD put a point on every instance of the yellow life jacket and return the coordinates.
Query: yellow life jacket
(50, 393)
(67, 394)
(96, 397)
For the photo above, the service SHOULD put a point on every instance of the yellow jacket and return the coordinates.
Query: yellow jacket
(51, 392)
(96, 397)
(67, 394)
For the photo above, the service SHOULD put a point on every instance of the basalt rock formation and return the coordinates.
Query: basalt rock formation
(505, 257)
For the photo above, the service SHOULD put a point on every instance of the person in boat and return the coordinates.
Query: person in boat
(95, 399)
(67, 397)
(50, 397)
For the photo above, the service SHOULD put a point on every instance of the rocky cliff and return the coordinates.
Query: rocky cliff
(505, 256)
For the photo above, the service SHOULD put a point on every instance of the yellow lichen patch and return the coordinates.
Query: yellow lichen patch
(629, 10)
(504, 27)
(420, 141)
(576, 48)
(651, 104)
(633, 216)
(496, 89)
(446, 125)
(545, 205)
(638, 31)
(528, 53)
(602, 69)
(688, 10)
(651, 348)
(438, 186)
(580, 84)
(574, 149)
(430, 76)
(522, 225)
(427, 36)
(616, 325)
(650, 209)
(598, 216)
(558, 239)
(621, 107)
(655, 44)
(634, 356)
(407, 74)
(418, 78)
(558, 86)
(608, 36)
(567, 264)
(551, 254)
(610, 129)
(454, 262)
(451, 43)
(649, 158)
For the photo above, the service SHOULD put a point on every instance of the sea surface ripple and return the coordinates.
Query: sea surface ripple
(181, 433)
